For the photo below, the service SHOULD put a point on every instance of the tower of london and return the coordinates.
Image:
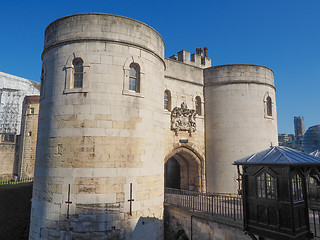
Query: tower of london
(119, 122)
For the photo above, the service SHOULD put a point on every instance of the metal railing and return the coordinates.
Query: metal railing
(227, 205)
(15, 181)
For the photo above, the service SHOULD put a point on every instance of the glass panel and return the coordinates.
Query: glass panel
(134, 77)
(266, 186)
(78, 80)
(78, 73)
(297, 192)
(269, 106)
(132, 84)
(133, 72)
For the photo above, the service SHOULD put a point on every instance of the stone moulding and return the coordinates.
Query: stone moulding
(183, 119)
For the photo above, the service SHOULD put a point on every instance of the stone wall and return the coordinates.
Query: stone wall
(28, 138)
(185, 83)
(7, 159)
(183, 224)
(100, 146)
(237, 121)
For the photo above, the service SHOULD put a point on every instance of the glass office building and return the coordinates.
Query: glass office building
(311, 139)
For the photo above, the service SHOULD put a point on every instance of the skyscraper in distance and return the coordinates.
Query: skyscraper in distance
(299, 127)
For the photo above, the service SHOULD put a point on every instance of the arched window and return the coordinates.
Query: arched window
(167, 100)
(266, 186)
(297, 192)
(77, 73)
(269, 106)
(198, 105)
(134, 77)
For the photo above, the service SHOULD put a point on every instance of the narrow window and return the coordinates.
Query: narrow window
(30, 134)
(9, 138)
(167, 100)
(266, 186)
(77, 73)
(134, 77)
(198, 105)
(269, 106)
(42, 83)
(297, 192)
(31, 110)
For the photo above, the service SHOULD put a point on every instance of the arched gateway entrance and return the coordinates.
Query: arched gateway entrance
(183, 169)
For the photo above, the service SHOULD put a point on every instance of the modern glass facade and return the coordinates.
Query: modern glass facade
(311, 139)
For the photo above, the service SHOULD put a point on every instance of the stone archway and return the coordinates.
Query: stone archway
(183, 169)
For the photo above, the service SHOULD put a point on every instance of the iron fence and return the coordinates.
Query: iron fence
(227, 205)
(15, 181)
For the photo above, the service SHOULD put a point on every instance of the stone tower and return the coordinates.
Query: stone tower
(241, 119)
(28, 137)
(99, 162)
(116, 117)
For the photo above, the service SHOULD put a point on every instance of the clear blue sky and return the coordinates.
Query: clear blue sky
(283, 35)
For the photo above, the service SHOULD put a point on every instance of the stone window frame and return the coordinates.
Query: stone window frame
(69, 75)
(198, 105)
(126, 76)
(77, 64)
(134, 77)
(167, 100)
(267, 104)
(201, 105)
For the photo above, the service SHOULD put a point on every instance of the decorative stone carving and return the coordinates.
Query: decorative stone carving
(183, 119)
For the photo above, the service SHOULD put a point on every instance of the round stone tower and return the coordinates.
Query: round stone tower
(99, 161)
(241, 119)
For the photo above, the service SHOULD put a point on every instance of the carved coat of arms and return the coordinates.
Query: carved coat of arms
(183, 119)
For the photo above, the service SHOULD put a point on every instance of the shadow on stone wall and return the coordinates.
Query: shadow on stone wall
(183, 224)
(15, 207)
(147, 228)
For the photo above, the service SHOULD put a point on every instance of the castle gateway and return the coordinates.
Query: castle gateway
(118, 121)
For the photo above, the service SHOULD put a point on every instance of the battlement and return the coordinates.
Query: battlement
(198, 59)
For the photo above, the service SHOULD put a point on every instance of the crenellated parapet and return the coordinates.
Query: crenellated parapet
(198, 59)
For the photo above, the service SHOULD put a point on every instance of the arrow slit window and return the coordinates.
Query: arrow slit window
(269, 106)
(198, 105)
(167, 100)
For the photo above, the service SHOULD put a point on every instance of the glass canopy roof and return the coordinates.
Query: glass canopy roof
(279, 156)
